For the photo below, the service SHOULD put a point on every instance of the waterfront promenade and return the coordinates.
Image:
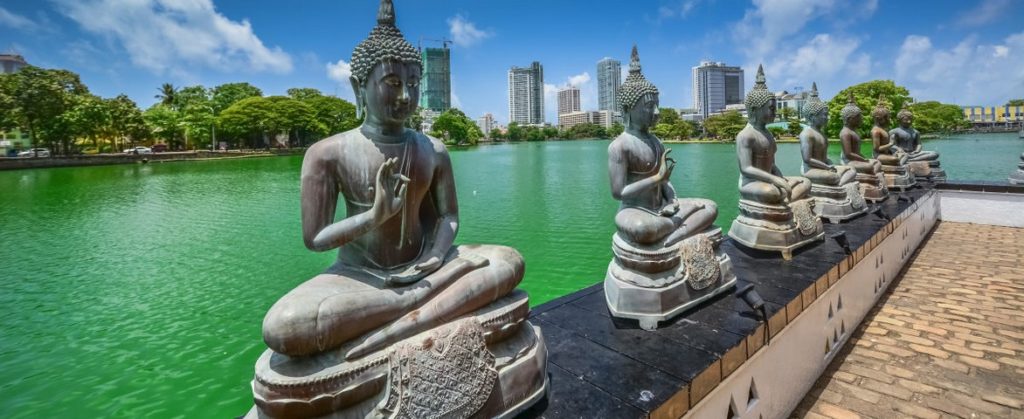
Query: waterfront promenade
(946, 341)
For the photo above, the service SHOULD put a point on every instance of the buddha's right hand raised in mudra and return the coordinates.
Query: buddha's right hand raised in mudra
(389, 192)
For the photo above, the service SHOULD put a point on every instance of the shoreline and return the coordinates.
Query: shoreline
(23, 163)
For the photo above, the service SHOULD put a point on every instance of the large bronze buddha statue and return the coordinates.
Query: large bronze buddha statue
(835, 188)
(869, 171)
(893, 159)
(924, 165)
(666, 256)
(776, 212)
(405, 323)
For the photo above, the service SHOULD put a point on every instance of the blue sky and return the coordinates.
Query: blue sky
(964, 52)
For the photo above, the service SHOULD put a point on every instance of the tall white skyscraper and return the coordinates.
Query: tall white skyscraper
(609, 78)
(715, 86)
(526, 94)
(569, 100)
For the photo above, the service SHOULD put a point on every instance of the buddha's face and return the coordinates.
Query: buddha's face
(854, 121)
(906, 119)
(882, 120)
(390, 93)
(644, 113)
(819, 119)
(765, 113)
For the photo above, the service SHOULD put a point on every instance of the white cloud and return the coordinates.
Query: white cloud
(771, 21)
(823, 59)
(465, 33)
(176, 36)
(681, 9)
(588, 95)
(968, 73)
(579, 79)
(987, 11)
(16, 21)
(340, 72)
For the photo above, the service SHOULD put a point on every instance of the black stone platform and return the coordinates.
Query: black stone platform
(610, 368)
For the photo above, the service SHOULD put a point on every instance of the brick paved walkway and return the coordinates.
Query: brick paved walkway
(947, 340)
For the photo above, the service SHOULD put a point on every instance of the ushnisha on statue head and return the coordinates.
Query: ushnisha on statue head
(851, 114)
(638, 97)
(386, 72)
(881, 113)
(815, 111)
(760, 102)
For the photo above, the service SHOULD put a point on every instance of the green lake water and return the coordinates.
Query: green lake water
(139, 290)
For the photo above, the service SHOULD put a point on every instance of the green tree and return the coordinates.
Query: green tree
(304, 93)
(39, 99)
(331, 115)
(935, 117)
(225, 95)
(794, 128)
(165, 123)
(777, 131)
(1015, 102)
(534, 134)
(127, 125)
(668, 116)
(456, 128)
(550, 133)
(167, 94)
(725, 126)
(496, 134)
(515, 132)
(88, 119)
(866, 96)
(615, 130)
(192, 96)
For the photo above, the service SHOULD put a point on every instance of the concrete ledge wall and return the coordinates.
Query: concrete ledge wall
(991, 208)
(774, 380)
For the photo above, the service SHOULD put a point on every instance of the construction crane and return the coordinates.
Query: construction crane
(443, 41)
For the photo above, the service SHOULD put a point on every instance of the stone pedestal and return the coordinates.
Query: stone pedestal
(781, 228)
(489, 363)
(927, 170)
(872, 187)
(898, 177)
(838, 203)
(655, 283)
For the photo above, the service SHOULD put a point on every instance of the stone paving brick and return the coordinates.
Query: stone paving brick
(946, 340)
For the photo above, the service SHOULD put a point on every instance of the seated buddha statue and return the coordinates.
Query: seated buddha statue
(869, 171)
(924, 165)
(835, 189)
(402, 304)
(776, 212)
(893, 159)
(666, 256)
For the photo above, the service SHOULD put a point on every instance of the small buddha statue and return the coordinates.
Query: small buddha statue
(869, 171)
(1017, 178)
(666, 256)
(402, 304)
(923, 164)
(893, 159)
(776, 212)
(834, 188)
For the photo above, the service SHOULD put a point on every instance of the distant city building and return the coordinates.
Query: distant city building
(1005, 114)
(569, 100)
(526, 95)
(10, 63)
(571, 119)
(690, 114)
(15, 140)
(429, 116)
(486, 124)
(794, 101)
(609, 80)
(715, 86)
(436, 84)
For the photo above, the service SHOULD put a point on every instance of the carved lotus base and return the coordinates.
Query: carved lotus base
(898, 177)
(490, 363)
(702, 272)
(872, 187)
(838, 203)
(778, 228)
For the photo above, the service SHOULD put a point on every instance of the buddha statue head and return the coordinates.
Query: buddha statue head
(905, 116)
(638, 98)
(815, 111)
(881, 113)
(760, 102)
(386, 72)
(851, 113)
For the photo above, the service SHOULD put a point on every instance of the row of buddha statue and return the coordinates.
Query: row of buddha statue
(407, 324)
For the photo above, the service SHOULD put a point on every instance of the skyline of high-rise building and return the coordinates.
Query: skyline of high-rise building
(436, 83)
(526, 94)
(715, 86)
(609, 80)
(568, 100)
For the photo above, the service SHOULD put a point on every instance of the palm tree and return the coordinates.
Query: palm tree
(167, 92)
